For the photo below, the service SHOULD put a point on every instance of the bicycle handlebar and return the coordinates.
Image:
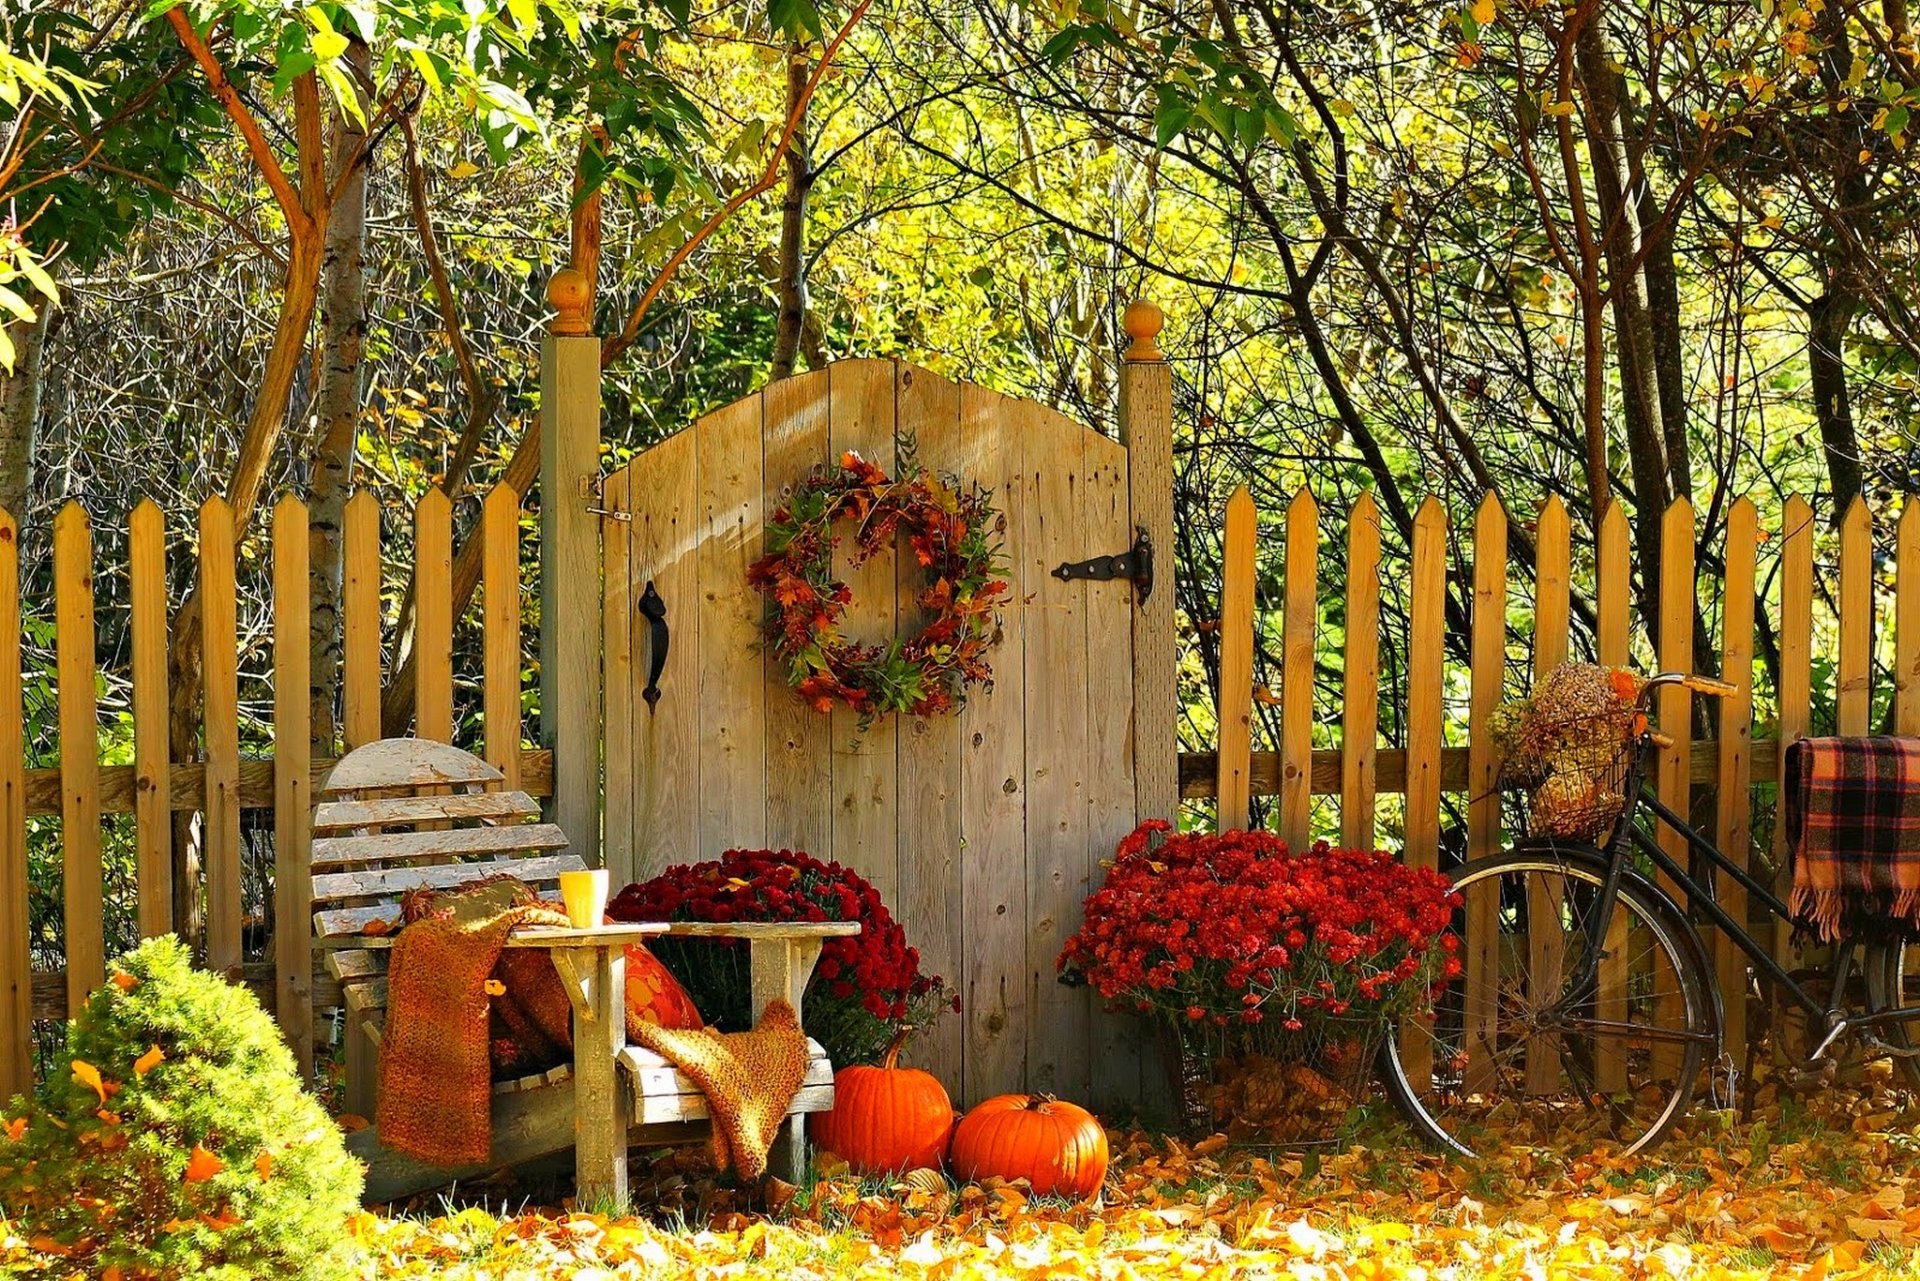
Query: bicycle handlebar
(1699, 684)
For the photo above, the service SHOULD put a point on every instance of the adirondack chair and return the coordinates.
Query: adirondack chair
(403, 814)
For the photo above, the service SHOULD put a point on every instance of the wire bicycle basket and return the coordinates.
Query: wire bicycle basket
(1568, 748)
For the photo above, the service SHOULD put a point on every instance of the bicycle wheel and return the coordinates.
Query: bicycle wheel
(1501, 1060)
(1893, 980)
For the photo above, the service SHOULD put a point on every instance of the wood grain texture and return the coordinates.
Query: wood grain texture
(931, 907)
(860, 418)
(1122, 1081)
(733, 725)
(1796, 675)
(459, 842)
(1906, 621)
(433, 617)
(1059, 1027)
(500, 630)
(994, 787)
(220, 729)
(1360, 723)
(1488, 654)
(1678, 605)
(82, 889)
(147, 617)
(570, 583)
(1853, 697)
(799, 808)
(360, 628)
(1146, 429)
(1296, 671)
(662, 542)
(335, 817)
(1612, 647)
(619, 614)
(1733, 800)
(1233, 700)
(16, 960)
(293, 782)
(1426, 686)
(1546, 947)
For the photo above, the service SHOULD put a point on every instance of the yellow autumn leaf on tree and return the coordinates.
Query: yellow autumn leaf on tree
(1483, 11)
(147, 1062)
(16, 1129)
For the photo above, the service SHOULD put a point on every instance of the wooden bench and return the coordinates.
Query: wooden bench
(404, 814)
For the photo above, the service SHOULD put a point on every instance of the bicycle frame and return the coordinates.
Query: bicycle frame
(1629, 834)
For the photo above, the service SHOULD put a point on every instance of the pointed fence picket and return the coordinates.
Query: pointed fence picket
(226, 782)
(1770, 571)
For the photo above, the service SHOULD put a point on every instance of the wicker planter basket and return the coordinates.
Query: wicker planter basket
(1265, 1082)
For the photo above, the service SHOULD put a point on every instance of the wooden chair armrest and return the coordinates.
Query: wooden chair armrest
(764, 929)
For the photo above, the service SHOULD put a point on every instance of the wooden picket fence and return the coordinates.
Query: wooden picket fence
(1426, 767)
(81, 791)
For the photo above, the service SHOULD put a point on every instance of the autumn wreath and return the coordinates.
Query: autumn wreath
(951, 530)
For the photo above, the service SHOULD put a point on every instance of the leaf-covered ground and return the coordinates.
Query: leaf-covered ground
(1825, 1187)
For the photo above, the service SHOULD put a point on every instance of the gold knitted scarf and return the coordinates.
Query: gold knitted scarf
(749, 1078)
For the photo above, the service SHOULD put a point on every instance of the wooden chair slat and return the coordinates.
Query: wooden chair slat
(334, 817)
(406, 762)
(393, 881)
(414, 847)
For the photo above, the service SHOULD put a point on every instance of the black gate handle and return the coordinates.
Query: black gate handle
(654, 608)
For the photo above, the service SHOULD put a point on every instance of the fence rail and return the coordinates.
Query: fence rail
(1426, 768)
(83, 792)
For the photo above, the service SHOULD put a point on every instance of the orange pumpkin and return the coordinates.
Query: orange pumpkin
(1057, 1147)
(887, 1119)
(654, 995)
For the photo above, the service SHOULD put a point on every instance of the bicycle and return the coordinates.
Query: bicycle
(1586, 1006)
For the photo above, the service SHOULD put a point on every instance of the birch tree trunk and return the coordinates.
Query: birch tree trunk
(343, 334)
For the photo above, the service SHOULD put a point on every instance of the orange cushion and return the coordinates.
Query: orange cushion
(654, 995)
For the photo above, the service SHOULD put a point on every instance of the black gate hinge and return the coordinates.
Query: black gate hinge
(1135, 564)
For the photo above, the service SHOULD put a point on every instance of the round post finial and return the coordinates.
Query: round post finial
(1142, 321)
(569, 293)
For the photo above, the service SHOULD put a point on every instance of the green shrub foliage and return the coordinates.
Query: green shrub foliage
(182, 1144)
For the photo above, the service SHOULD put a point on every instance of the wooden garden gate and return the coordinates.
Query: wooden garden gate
(984, 830)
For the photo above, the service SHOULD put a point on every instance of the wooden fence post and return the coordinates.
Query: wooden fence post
(1234, 700)
(16, 957)
(81, 885)
(292, 783)
(570, 561)
(1146, 429)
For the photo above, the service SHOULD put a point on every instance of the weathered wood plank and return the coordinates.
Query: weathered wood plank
(1059, 1026)
(1545, 948)
(1612, 647)
(662, 551)
(153, 830)
(433, 616)
(500, 630)
(391, 882)
(733, 727)
(293, 778)
(860, 418)
(1906, 622)
(1734, 797)
(1426, 687)
(1360, 683)
(1296, 671)
(1488, 654)
(799, 804)
(407, 763)
(360, 614)
(396, 811)
(16, 958)
(1118, 1055)
(1146, 429)
(1678, 605)
(221, 734)
(619, 615)
(1233, 700)
(994, 786)
(930, 906)
(81, 886)
(1853, 695)
(1795, 711)
(395, 847)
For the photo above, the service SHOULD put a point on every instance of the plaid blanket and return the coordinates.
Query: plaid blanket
(1853, 817)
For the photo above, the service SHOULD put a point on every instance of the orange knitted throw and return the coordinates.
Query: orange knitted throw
(749, 1079)
(441, 1043)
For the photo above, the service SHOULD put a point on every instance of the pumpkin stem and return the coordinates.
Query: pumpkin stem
(891, 1059)
(1035, 1102)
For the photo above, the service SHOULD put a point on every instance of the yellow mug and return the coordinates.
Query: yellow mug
(585, 894)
